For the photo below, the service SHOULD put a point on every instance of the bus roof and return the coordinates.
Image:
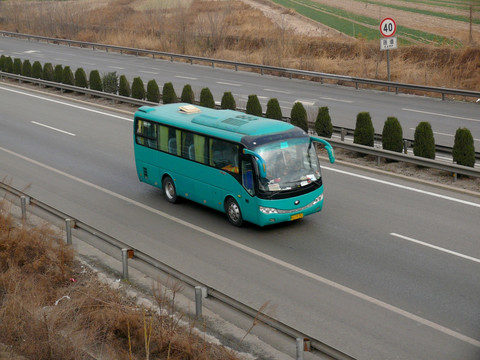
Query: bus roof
(227, 124)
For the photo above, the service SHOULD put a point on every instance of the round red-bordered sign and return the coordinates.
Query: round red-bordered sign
(388, 27)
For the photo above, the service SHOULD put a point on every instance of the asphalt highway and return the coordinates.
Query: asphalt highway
(390, 269)
(344, 103)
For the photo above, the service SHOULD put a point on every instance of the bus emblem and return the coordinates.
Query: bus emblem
(297, 202)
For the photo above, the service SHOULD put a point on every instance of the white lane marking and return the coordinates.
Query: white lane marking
(338, 100)
(53, 128)
(305, 102)
(449, 198)
(227, 83)
(66, 104)
(471, 258)
(30, 51)
(116, 67)
(277, 91)
(148, 72)
(444, 134)
(186, 77)
(444, 115)
(61, 59)
(247, 249)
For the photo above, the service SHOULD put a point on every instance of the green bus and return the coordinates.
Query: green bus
(251, 168)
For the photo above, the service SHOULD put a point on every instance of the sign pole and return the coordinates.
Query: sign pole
(388, 64)
(388, 27)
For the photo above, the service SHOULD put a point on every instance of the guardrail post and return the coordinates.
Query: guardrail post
(69, 223)
(405, 146)
(299, 342)
(454, 177)
(342, 134)
(125, 264)
(24, 201)
(198, 301)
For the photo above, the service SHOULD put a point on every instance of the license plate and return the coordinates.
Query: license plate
(296, 216)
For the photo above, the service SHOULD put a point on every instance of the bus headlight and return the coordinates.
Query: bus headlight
(317, 200)
(268, 210)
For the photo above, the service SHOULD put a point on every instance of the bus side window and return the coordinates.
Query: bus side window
(147, 133)
(187, 145)
(199, 147)
(247, 176)
(224, 155)
(163, 138)
(174, 141)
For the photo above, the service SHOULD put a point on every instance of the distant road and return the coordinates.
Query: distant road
(344, 102)
(389, 269)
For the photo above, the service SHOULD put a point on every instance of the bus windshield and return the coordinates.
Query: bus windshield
(290, 164)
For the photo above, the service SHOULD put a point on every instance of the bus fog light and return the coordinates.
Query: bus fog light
(267, 210)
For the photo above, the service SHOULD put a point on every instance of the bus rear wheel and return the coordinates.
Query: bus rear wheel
(169, 189)
(233, 212)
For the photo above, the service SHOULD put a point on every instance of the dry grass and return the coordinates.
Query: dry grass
(52, 307)
(233, 30)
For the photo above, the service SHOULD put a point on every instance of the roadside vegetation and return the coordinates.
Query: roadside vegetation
(53, 307)
(233, 30)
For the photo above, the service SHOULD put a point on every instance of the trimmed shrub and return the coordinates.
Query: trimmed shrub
(153, 91)
(2, 62)
(27, 68)
(463, 148)
(58, 73)
(48, 73)
(228, 101)
(17, 66)
(168, 94)
(206, 98)
(323, 123)
(273, 110)
(95, 81)
(298, 116)
(364, 133)
(81, 78)
(187, 94)
(124, 87)
(8, 64)
(392, 135)
(138, 89)
(253, 106)
(37, 71)
(424, 142)
(67, 77)
(110, 82)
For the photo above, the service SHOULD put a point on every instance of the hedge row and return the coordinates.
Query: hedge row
(392, 134)
(423, 144)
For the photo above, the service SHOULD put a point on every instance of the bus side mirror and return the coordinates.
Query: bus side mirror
(261, 163)
(328, 147)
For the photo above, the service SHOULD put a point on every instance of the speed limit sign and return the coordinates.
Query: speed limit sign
(388, 27)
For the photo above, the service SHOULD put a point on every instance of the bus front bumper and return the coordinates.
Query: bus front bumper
(272, 215)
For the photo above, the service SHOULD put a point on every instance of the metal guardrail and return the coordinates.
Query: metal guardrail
(146, 259)
(416, 160)
(379, 153)
(262, 68)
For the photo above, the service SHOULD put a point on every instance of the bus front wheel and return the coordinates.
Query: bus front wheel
(233, 212)
(169, 189)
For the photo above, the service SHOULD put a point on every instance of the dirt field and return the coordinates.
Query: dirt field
(449, 28)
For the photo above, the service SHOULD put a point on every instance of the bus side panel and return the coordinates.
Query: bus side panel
(197, 182)
(149, 174)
